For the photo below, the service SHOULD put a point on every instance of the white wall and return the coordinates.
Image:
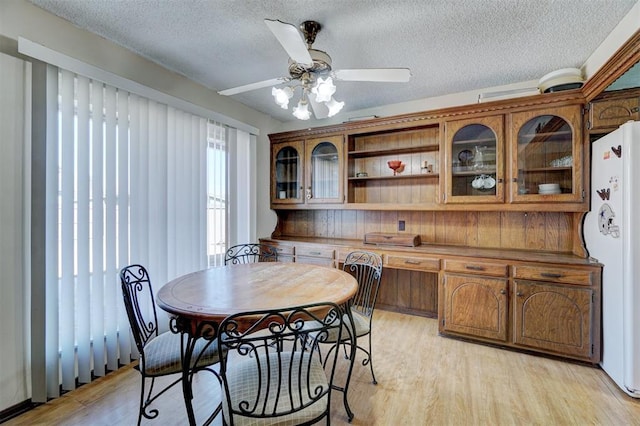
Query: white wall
(14, 222)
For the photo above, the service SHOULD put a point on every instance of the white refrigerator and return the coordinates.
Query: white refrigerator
(612, 237)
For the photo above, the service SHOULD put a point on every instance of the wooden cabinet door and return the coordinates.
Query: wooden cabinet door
(324, 170)
(609, 114)
(553, 317)
(475, 306)
(287, 163)
(474, 159)
(546, 161)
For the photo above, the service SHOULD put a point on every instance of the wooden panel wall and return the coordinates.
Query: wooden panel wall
(549, 231)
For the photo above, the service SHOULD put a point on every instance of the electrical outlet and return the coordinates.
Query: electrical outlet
(401, 225)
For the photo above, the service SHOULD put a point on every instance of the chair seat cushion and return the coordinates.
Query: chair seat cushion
(361, 322)
(162, 354)
(261, 381)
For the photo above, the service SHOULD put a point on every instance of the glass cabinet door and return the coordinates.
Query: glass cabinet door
(324, 170)
(475, 161)
(286, 185)
(545, 157)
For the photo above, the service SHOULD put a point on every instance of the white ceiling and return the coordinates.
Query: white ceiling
(450, 46)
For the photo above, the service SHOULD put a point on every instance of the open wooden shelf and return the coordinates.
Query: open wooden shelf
(392, 151)
(423, 175)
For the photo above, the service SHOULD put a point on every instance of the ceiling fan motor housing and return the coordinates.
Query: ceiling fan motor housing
(321, 65)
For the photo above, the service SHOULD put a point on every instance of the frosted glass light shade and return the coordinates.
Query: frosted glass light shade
(282, 96)
(301, 111)
(334, 107)
(324, 89)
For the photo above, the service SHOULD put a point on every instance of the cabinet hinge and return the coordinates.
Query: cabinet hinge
(593, 298)
(585, 112)
(592, 349)
(443, 322)
(583, 194)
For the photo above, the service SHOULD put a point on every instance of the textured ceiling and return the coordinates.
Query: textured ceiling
(450, 45)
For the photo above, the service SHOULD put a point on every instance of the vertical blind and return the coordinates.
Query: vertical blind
(132, 187)
(217, 161)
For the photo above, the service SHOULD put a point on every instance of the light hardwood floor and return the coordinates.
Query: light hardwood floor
(422, 379)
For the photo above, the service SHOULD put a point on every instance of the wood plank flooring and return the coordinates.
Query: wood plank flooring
(423, 379)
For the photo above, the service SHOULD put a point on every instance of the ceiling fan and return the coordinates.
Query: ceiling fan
(311, 70)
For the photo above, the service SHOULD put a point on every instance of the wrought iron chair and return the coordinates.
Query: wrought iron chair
(250, 253)
(160, 353)
(366, 267)
(271, 372)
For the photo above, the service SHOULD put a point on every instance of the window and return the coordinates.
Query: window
(132, 181)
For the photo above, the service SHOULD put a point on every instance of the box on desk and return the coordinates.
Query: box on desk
(381, 238)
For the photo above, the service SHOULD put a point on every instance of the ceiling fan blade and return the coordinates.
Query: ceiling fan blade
(252, 86)
(320, 110)
(394, 75)
(291, 39)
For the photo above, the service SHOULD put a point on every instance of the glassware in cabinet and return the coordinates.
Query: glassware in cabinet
(546, 159)
(474, 152)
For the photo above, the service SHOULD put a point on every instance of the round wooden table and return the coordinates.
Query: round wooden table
(199, 301)
(213, 294)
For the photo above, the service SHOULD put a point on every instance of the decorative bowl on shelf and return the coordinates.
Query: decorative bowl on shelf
(394, 165)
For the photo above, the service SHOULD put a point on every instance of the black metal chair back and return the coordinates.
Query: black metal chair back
(138, 293)
(160, 353)
(366, 267)
(272, 370)
(250, 253)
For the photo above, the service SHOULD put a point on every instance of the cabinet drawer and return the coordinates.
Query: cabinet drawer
(341, 253)
(321, 261)
(412, 262)
(308, 251)
(471, 267)
(554, 274)
(282, 250)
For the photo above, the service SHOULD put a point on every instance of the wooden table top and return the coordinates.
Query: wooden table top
(213, 294)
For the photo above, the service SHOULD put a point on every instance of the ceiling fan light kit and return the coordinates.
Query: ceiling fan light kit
(324, 89)
(301, 111)
(334, 107)
(311, 70)
(282, 96)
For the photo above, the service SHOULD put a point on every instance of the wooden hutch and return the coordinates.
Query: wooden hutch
(502, 259)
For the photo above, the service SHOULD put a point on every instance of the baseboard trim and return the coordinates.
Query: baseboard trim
(16, 410)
